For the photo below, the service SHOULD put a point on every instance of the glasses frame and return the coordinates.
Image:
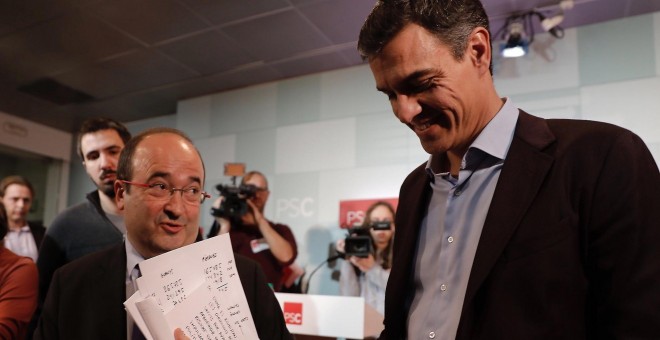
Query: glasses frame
(203, 194)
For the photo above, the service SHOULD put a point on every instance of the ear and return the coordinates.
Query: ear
(479, 49)
(120, 191)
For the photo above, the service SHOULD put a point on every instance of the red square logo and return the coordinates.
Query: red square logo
(293, 313)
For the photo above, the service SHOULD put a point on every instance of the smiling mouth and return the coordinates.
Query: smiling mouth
(420, 126)
(172, 228)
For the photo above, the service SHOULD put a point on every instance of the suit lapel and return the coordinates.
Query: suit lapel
(418, 198)
(523, 173)
(408, 222)
(110, 280)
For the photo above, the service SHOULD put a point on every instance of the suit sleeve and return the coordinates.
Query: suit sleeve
(47, 322)
(51, 257)
(623, 255)
(265, 308)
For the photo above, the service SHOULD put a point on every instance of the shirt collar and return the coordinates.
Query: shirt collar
(495, 139)
(24, 228)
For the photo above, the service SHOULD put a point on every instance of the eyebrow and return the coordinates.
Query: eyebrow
(163, 174)
(110, 147)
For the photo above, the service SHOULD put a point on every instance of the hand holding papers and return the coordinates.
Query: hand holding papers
(195, 288)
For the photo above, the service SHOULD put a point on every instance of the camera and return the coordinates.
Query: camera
(381, 225)
(358, 243)
(234, 204)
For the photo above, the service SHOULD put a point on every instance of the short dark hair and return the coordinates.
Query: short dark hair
(98, 124)
(451, 21)
(125, 164)
(4, 227)
(20, 180)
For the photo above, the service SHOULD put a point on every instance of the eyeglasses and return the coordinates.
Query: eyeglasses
(191, 195)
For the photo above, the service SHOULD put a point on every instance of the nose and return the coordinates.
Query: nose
(406, 107)
(107, 161)
(174, 206)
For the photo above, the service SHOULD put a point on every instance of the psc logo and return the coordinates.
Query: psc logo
(293, 313)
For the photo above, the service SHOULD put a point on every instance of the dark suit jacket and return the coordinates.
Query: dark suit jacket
(38, 232)
(86, 296)
(570, 248)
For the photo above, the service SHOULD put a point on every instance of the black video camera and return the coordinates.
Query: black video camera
(358, 243)
(234, 204)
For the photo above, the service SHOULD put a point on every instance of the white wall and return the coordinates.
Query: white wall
(29, 136)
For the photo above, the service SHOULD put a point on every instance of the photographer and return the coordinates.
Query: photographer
(367, 276)
(272, 245)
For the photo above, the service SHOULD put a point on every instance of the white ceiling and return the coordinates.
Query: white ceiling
(137, 58)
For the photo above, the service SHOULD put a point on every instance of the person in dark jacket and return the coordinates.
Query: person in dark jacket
(517, 227)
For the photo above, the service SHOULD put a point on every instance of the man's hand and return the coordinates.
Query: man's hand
(340, 246)
(258, 216)
(179, 335)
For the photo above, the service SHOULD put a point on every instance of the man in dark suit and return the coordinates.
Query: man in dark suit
(517, 227)
(23, 237)
(159, 189)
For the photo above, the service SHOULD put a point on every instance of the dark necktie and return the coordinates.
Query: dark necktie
(137, 334)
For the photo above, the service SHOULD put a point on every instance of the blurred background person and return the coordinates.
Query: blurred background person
(23, 238)
(96, 223)
(271, 244)
(18, 288)
(367, 276)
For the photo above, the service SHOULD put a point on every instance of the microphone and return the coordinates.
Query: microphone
(329, 259)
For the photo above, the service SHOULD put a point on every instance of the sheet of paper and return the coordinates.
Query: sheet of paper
(171, 278)
(157, 324)
(208, 313)
(132, 309)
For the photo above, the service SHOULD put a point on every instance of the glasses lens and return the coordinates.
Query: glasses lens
(193, 195)
(158, 190)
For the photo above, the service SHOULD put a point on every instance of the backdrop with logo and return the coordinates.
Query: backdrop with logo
(352, 212)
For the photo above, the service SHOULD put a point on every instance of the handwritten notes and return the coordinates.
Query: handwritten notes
(195, 288)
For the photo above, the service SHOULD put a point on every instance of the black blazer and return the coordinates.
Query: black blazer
(570, 245)
(38, 232)
(86, 296)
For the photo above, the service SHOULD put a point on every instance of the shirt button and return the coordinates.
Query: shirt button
(432, 335)
(457, 192)
(443, 287)
(450, 239)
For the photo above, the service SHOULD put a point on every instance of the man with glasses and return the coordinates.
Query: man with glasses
(159, 190)
(271, 244)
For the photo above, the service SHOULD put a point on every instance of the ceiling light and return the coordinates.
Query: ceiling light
(517, 32)
(516, 41)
